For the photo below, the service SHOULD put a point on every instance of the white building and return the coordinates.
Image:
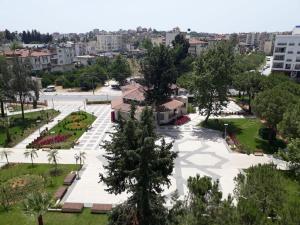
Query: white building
(63, 58)
(91, 48)
(287, 53)
(170, 36)
(110, 42)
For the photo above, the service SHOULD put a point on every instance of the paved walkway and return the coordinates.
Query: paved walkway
(201, 151)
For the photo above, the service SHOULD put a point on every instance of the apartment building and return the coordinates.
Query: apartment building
(110, 42)
(197, 46)
(40, 59)
(286, 56)
(63, 58)
(170, 36)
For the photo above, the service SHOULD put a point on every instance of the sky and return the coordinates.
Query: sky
(215, 16)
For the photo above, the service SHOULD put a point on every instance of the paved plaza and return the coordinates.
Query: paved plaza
(200, 151)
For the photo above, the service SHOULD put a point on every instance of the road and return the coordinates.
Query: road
(105, 93)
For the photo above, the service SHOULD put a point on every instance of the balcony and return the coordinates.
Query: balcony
(279, 50)
(277, 66)
(281, 44)
(279, 57)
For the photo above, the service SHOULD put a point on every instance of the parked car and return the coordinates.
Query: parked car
(50, 88)
(115, 86)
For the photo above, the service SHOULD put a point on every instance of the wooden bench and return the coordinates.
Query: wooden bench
(101, 208)
(70, 207)
(60, 193)
(69, 179)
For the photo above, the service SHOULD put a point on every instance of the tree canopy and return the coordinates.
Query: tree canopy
(137, 165)
(213, 70)
(159, 74)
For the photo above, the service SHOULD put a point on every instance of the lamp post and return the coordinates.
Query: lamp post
(52, 103)
(225, 129)
(38, 123)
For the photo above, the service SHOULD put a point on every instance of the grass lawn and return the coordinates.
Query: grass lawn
(246, 132)
(66, 132)
(20, 129)
(16, 216)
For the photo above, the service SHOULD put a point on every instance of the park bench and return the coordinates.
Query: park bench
(60, 193)
(69, 179)
(70, 207)
(101, 208)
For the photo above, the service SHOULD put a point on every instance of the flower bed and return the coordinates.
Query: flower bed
(49, 140)
(182, 120)
(65, 134)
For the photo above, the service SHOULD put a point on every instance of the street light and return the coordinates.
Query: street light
(38, 123)
(225, 129)
(52, 103)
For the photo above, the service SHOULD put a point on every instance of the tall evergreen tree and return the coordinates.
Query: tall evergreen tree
(137, 165)
(212, 78)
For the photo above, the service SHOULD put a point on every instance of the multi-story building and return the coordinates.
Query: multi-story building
(63, 58)
(197, 46)
(40, 59)
(110, 42)
(286, 56)
(170, 36)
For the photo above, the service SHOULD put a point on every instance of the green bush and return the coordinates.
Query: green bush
(267, 133)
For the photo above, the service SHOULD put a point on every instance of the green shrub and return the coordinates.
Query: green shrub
(267, 133)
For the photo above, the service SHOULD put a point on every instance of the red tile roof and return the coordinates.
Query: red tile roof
(134, 92)
(172, 104)
(28, 53)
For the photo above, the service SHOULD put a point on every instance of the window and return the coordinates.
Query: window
(289, 60)
(298, 52)
(297, 67)
(279, 50)
(287, 66)
(278, 65)
(281, 44)
(290, 52)
(279, 57)
(298, 59)
(291, 44)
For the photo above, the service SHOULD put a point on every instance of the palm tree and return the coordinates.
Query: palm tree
(36, 204)
(53, 158)
(32, 153)
(4, 154)
(82, 157)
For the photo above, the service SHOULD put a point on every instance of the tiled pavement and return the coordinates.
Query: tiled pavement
(200, 151)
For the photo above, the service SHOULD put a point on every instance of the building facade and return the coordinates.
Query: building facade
(110, 42)
(170, 36)
(286, 56)
(39, 59)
